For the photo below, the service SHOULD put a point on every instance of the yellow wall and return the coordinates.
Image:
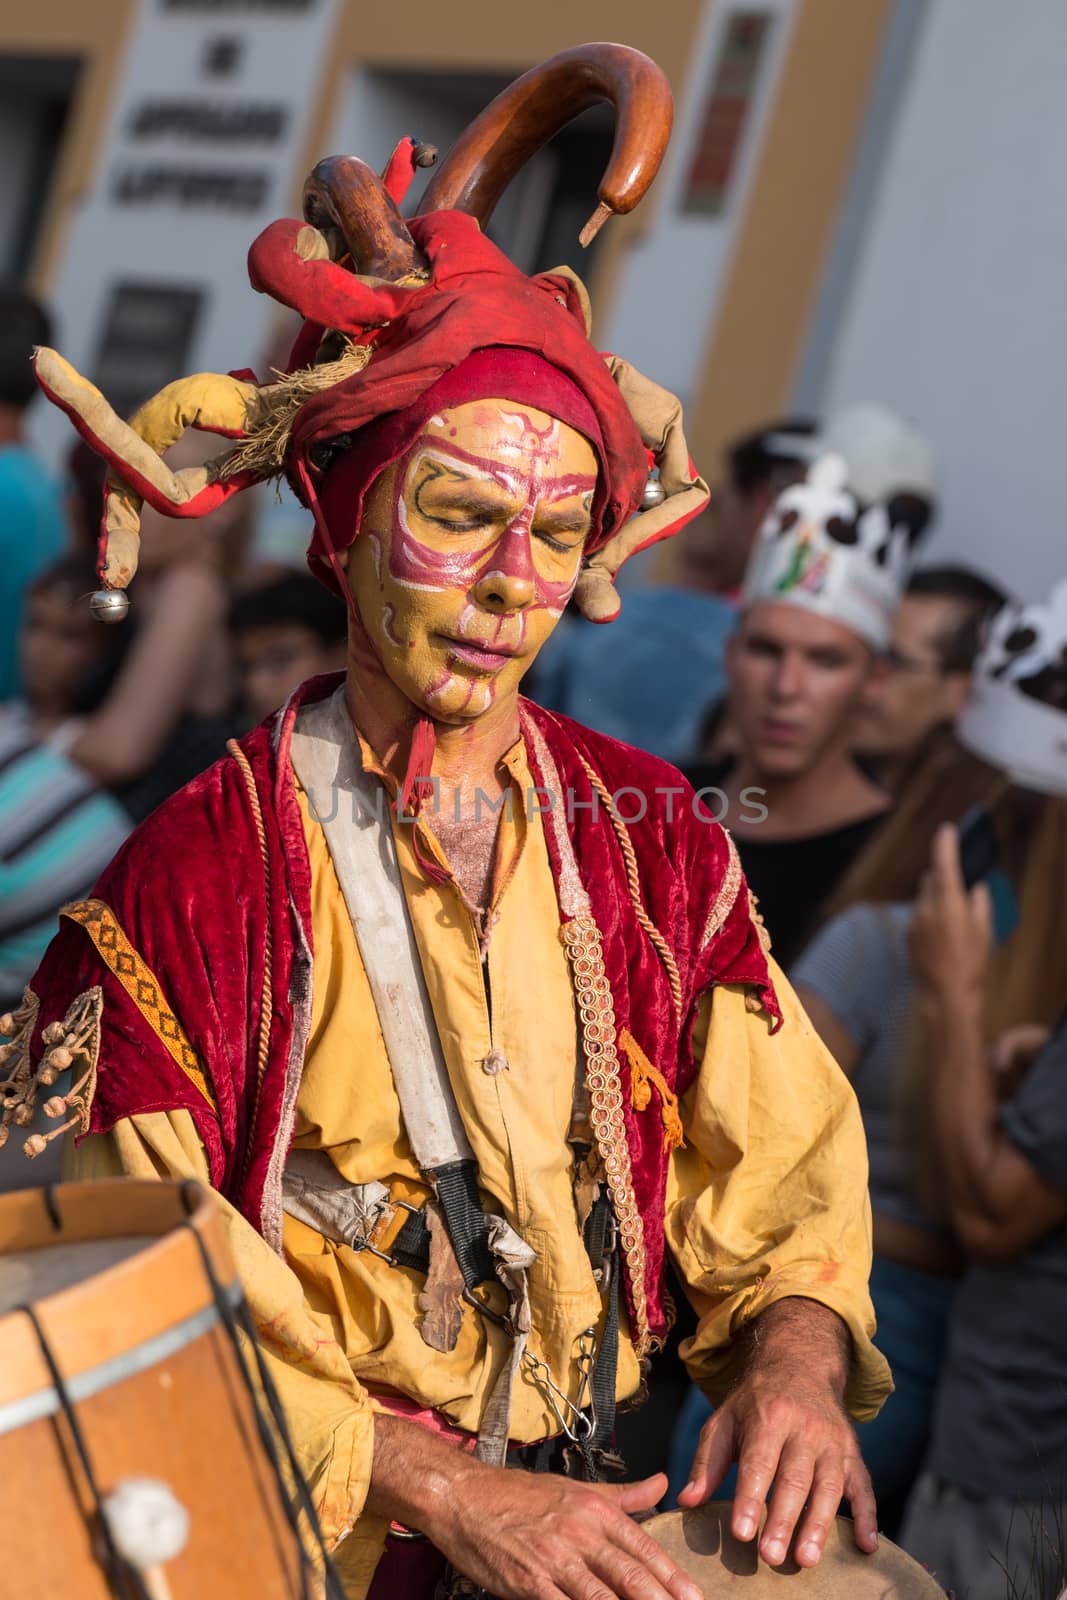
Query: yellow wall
(786, 232)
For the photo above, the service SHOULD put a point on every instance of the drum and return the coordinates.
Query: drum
(136, 1452)
(701, 1543)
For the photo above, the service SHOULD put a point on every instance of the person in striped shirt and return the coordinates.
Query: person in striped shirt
(58, 829)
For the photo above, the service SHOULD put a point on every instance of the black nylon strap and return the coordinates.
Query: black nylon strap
(468, 1230)
(606, 1369)
(468, 1225)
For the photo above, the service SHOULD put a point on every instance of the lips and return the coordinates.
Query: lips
(486, 657)
(775, 732)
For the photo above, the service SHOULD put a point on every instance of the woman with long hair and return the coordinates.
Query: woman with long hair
(857, 982)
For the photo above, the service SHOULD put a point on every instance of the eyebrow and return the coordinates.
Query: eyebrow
(563, 521)
(454, 490)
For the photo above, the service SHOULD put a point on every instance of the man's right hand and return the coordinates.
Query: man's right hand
(520, 1535)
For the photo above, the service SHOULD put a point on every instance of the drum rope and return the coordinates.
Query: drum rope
(235, 1319)
(124, 1579)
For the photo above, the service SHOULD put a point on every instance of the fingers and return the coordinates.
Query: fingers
(714, 1454)
(755, 1473)
(641, 1496)
(631, 1577)
(792, 1485)
(948, 873)
(861, 1500)
(655, 1560)
(823, 1502)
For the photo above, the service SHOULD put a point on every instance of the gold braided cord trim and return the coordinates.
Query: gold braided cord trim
(142, 986)
(723, 903)
(266, 1003)
(634, 886)
(761, 927)
(263, 451)
(581, 938)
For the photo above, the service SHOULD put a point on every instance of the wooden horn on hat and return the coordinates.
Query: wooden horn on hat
(525, 116)
(342, 192)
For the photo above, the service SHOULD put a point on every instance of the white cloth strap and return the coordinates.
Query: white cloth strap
(353, 809)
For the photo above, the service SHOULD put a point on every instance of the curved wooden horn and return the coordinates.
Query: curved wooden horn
(524, 116)
(343, 192)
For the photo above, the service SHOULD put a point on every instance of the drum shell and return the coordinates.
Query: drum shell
(157, 1392)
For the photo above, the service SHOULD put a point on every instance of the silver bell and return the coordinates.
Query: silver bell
(109, 605)
(654, 494)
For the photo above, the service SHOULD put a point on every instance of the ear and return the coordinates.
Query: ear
(956, 686)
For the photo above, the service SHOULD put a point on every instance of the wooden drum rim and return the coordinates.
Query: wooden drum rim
(121, 1320)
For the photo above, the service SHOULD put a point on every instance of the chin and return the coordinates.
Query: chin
(457, 699)
(775, 762)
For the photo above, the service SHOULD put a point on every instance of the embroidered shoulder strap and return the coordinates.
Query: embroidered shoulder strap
(142, 986)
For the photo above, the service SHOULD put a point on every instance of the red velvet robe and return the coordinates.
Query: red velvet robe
(182, 1012)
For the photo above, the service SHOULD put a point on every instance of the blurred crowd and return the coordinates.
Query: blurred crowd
(898, 798)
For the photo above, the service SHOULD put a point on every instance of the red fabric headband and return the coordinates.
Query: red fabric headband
(505, 374)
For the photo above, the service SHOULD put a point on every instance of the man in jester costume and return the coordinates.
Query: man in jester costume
(464, 1010)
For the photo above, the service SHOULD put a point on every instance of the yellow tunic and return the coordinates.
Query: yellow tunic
(768, 1197)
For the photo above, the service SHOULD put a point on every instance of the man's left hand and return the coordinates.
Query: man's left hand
(785, 1423)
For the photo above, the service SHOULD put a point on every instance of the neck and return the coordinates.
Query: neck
(467, 755)
(830, 794)
(12, 425)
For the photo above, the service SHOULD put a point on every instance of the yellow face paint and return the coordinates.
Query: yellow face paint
(468, 551)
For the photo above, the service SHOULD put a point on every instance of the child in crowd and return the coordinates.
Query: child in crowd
(284, 632)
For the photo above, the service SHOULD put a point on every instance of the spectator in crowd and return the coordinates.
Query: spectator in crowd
(32, 527)
(58, 830)
(889, 462)
(283, 632)
(817, 606)
(654, 681)
(857, 983)
(989, 1516)
(937, 632)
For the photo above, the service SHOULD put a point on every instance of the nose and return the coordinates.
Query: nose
(502, 592)
(506, 581)
(789, 679)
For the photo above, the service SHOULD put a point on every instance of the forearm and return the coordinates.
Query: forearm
(415, 1475)
(964, 1101)
(800, 1334)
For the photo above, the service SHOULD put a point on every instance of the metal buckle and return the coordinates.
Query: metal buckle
(359, 1245)
(487, 1311)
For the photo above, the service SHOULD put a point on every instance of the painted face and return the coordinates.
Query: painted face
(469, 549)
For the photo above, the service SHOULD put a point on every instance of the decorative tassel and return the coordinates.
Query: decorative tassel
(77, 1036)
(418, 784)
(644, 1077)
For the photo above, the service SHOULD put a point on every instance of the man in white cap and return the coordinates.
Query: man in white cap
(817, 605)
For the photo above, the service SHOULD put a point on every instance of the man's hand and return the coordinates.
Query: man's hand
(785, 1424)
(951, 937)
(523, 1536)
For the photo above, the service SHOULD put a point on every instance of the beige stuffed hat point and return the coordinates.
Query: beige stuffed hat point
(701, 1543)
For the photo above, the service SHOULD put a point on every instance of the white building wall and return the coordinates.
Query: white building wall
(670, 285)
(195, 246)
(957, 313)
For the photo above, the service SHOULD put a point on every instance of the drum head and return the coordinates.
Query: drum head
(701, 1543)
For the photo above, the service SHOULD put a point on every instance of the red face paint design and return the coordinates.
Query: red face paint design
(469, 550)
